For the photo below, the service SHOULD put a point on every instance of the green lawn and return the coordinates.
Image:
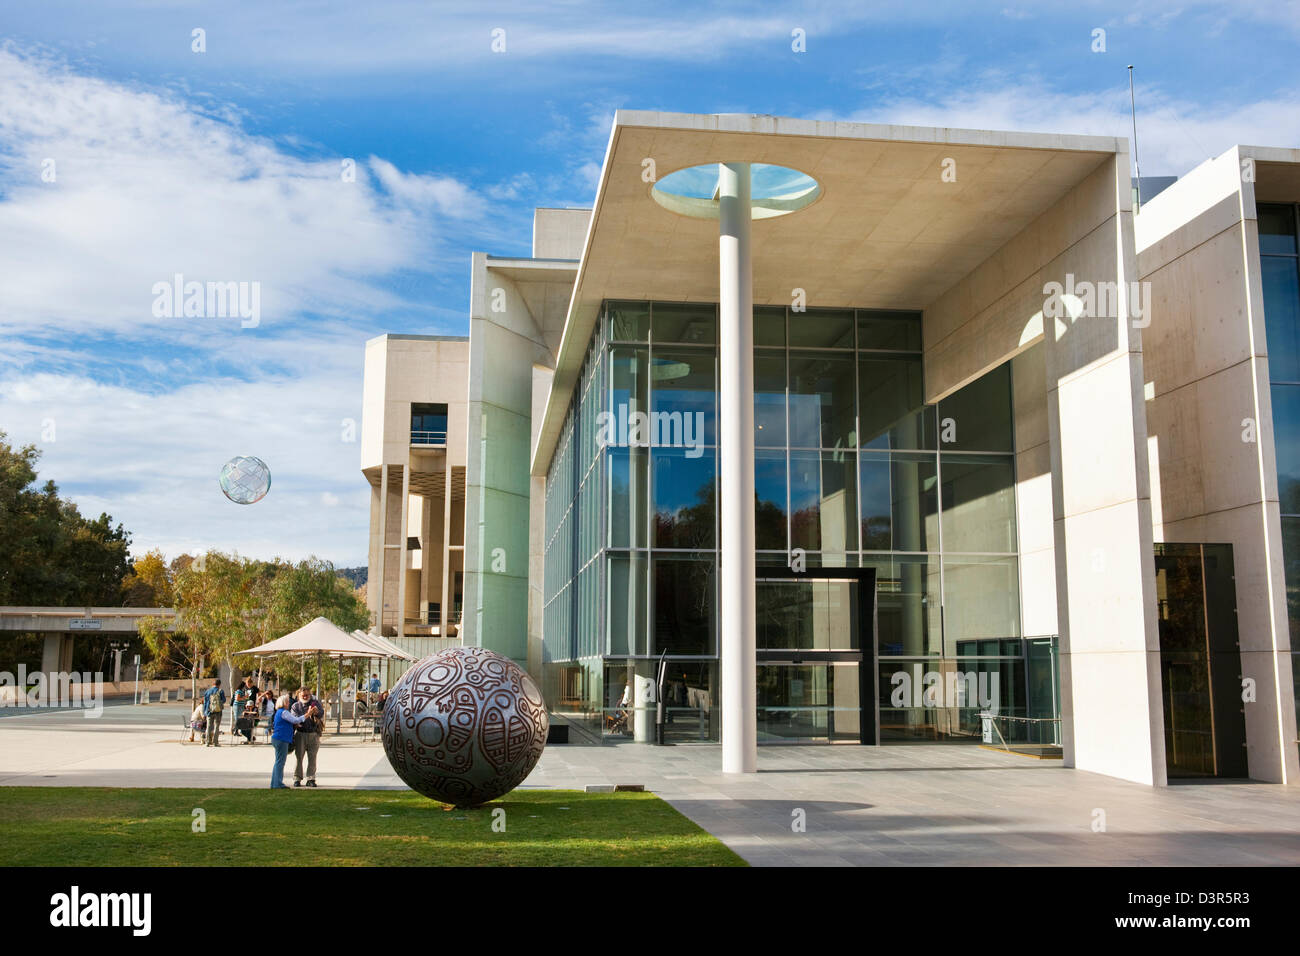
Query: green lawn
(92, 826)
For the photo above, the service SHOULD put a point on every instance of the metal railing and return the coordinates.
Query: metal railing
(429, 438)
(1036, 731)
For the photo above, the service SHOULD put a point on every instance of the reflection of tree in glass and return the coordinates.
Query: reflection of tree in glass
(769, 525)
(691, 526)
(683, 605)
(806, 528)
(876, 532)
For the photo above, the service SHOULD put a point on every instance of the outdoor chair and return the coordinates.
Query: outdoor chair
(185, 730)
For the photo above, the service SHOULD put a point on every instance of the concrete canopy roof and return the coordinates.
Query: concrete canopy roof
(888, 232)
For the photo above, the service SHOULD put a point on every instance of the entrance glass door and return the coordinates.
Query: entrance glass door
(816, 646)
(809, 702)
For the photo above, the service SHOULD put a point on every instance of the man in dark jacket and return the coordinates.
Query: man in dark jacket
(306, 736)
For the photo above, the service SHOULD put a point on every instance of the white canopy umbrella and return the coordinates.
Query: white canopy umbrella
(383, 644)
(317, 636)
(322, 636)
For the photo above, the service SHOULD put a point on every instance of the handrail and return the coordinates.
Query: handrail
(428, 437)
(993, 718)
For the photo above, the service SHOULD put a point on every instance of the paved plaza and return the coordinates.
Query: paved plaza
(895, 805)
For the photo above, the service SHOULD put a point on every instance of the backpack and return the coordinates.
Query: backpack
(214, 700)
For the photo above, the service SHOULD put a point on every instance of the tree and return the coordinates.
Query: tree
(307, 590)
(149, 582)
(49, 553)
(310, 589)
(225, 604)
(219, 605)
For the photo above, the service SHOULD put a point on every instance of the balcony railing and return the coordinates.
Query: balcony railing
(429, 438)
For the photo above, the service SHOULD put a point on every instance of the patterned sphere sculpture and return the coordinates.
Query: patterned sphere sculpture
(465, 726)
(245, 480)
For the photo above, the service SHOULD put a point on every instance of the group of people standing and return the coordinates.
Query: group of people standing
(290, 724)
(298, 725)
(248, 707)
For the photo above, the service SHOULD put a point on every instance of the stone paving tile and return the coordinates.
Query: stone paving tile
(916, 805)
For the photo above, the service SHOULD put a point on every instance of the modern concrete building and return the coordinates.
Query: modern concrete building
(413, 454)
(1221, 369)
(856, 428)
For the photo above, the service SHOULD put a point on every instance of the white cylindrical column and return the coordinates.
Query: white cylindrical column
(736, 635)
(402, 552)
(383, 544)
(643, 700)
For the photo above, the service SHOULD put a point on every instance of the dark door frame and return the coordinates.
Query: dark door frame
(868, 654)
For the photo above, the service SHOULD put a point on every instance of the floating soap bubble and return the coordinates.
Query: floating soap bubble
(245, 480)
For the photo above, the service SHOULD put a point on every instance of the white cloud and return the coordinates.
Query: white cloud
(442, 194)
(1173, 136)
(512, 188)
(147, 185)
(310, 38)
(152, 460)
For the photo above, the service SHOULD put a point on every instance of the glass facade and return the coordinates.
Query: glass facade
(851, 467)
(1280, 272)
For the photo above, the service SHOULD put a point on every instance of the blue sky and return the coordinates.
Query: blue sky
(225, 165)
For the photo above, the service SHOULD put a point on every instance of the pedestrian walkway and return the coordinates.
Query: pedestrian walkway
(910, 805)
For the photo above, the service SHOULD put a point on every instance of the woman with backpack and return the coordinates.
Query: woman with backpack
(282, 738)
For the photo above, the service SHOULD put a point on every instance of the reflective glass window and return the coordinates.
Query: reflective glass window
(683, 322)
(628, 603)
(896, 331)
(629, 321)
(682, 394)
(822, 328)
(769, 326)
(816, 614)
(685, 619)
(770, 501)
(981, 600)
(978, 417)
(891, 403)
(683, 498)
(629, 491)
(1286, 438)
(823, 501)
(979, 503)
(1291, 561)
(821, 400)
(769, 399)
(899, 508)
(908, 617)
(1281, 283)
(1277, 228)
